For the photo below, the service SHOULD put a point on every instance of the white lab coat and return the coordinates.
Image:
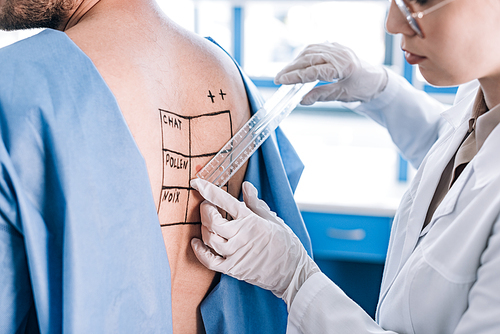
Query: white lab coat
(446, 278)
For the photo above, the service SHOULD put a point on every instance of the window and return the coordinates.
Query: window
(295, 24)
(265, 35)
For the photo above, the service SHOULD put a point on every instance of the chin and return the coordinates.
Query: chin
(439, 79)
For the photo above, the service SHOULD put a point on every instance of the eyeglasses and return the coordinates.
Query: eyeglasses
(411, 16)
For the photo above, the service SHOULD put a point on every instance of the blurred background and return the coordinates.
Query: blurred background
(354, 176)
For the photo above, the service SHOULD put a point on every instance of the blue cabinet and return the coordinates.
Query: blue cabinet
(348, 237)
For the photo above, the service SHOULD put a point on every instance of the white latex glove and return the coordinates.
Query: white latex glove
(357, 80)
(256, 246)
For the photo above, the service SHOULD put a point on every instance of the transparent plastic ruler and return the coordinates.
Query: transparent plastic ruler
(249, 138)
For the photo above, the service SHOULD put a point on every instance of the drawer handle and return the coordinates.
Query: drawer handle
(355, 235)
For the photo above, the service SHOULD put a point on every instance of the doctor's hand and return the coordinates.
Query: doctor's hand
(256, 246)
(357, 80)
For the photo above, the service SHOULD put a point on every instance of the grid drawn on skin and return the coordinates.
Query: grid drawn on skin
(184, 146)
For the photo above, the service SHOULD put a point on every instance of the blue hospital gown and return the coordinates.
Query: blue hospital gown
(81, 250)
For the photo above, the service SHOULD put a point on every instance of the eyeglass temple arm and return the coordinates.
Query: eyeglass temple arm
(430, 10)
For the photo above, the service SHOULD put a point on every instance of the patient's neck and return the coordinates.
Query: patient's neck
(138, 15)
(78, 12)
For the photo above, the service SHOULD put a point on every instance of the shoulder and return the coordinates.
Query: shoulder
(210, 68)
(207, 57)
(204, 51)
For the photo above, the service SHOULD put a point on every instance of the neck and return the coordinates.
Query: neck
(78, 13)
(491, 91)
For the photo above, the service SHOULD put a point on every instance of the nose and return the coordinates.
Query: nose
(396, 22)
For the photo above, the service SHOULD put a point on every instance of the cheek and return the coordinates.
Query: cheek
(463, 47)
(441, 67)
(468, 58)
(451, 58)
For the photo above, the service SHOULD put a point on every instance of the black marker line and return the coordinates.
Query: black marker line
(212, 114)
(211, 96)
(176, 224)
(198, 116)
(170, 112)
(226, 188)
(163, 165)
(222, 94)
(191, 156)
(175, 152)
(204, 155)
(175, 187)
(190, 163)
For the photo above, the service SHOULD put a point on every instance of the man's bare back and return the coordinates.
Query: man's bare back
(182, 98)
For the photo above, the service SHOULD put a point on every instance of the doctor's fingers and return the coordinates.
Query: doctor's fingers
(326, 47)
(220, 198)
(331, 51)
(222, 246)
(214, 222)
(331, 92)
(339, 62)
(214, 241)
(313, 54)
(324, 72)
(258, 206)
(307, 69)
